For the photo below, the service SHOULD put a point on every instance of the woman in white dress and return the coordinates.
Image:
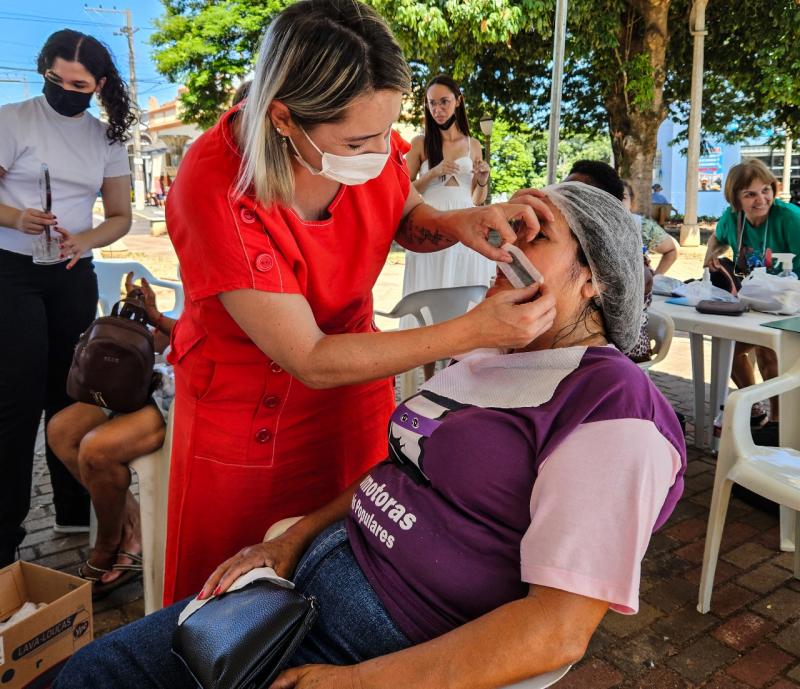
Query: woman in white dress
(447, 167)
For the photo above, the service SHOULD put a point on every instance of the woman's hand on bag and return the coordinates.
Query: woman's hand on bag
(31, 221)
(282, 554)
(72, 245)
(510, 319)
(146, 293)
(318, 677)
(471, 226)
(712, 263)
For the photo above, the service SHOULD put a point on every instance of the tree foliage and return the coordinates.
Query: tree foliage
(628, 62)
(519, 155)
(207, 45)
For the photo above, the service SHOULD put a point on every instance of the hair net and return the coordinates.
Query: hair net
(612, 243)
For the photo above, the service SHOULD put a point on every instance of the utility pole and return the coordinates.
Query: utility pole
(559, 38)
(690, 230)
(138, 161)
(786, 192)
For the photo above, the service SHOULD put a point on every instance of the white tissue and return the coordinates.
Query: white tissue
(248, 578)
(26, 610)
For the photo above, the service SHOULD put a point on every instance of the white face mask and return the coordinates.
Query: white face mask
(350, 170)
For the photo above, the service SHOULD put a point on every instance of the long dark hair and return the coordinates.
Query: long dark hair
(75, 46)
(433, 135)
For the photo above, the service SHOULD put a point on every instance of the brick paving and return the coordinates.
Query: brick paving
(749, 640)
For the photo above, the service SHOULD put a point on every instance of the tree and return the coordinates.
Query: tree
(208, 45)
(519, 155)
(628, 63)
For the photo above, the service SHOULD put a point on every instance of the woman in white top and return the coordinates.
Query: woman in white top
(45, 307)
(447, 167)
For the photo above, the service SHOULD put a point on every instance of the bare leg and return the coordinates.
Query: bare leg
(103, 458)
(768, 366)
(742, 370)
(67, 428)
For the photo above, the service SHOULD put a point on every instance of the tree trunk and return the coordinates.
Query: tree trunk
(635, 101)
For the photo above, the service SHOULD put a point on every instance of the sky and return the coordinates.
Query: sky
(26, 24)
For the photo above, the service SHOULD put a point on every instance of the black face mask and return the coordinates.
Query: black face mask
(67, 103)
(447, 123)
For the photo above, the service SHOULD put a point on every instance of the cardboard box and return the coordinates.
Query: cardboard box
(31, 649)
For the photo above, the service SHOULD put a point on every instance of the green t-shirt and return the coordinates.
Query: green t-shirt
(781, 232)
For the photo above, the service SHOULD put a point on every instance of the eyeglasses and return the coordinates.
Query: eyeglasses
(441, 103)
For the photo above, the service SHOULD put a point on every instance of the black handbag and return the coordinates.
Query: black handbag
(242, 639)
(721, 308)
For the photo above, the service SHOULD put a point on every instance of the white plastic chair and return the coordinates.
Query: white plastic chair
(431, 306)
(773, 472)
(540, 682)
(153, 473)
(110, 274)
(660, 328)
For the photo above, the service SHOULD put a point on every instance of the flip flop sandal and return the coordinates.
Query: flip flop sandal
(93, 575)
(134, 566)
(101, 589)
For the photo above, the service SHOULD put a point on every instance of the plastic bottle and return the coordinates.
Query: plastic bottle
(786, 260)
(717, 429)
(718, 421)
(787, 272)
(707, 291)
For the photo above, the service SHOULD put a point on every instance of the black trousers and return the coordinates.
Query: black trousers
(43, 311)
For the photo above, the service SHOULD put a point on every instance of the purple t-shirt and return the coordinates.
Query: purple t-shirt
(438, 527)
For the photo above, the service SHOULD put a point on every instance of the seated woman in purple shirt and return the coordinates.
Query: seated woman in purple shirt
(513, 510)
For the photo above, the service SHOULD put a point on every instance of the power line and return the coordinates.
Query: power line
(138, 171)
(19, 69)
(21, 17)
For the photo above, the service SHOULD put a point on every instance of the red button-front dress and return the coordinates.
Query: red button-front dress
(251, 443)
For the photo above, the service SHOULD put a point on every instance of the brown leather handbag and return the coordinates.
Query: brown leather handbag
(112, 365)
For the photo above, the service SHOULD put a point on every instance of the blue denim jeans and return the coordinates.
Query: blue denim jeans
(352, 626)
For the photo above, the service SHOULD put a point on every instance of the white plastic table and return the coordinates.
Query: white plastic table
(724, 332)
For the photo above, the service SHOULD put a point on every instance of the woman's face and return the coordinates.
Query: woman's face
(363, 129)
(756, 201)
(73, 76)
(441, 103)
(554, 253)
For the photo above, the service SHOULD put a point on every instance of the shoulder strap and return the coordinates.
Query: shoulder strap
(741, 261)
(131, 310)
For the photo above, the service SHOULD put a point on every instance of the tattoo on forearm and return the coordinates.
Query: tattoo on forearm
(414, 233)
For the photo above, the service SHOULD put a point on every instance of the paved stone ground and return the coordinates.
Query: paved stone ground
(750, 639)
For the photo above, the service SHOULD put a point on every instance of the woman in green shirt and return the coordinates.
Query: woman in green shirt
(754, 222)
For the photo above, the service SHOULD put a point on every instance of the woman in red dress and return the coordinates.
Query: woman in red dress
(282, 217)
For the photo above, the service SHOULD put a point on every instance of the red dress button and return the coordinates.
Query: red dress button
(271, 401)
(263, 435)
(275, 368)
(247, 216)
(264, 262)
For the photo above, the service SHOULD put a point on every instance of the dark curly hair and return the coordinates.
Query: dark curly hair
(75, 46)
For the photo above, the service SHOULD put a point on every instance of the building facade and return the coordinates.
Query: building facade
(669, 168)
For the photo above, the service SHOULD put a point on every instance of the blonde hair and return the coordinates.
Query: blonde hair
(742, 175)
(316, 57)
